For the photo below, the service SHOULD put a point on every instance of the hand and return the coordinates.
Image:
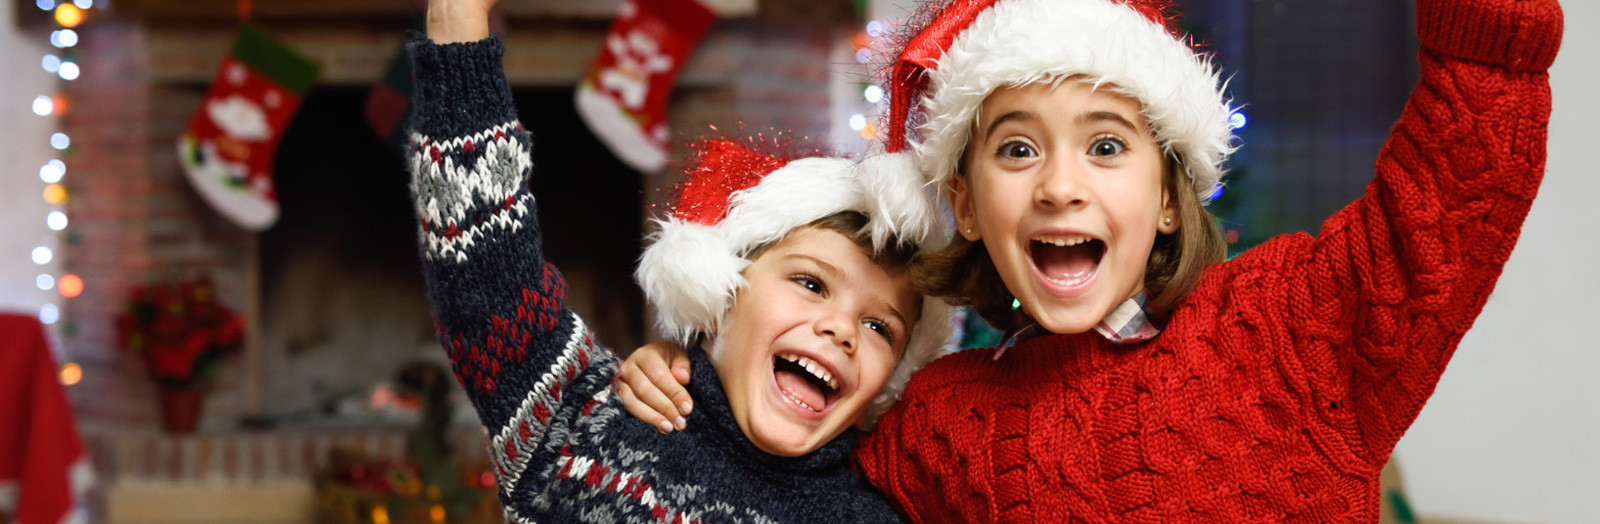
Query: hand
(453, 21)
(651, 385)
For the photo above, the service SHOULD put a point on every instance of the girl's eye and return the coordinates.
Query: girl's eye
(882, 329)
(810, 283)
(1107, 147)
(1016, 150)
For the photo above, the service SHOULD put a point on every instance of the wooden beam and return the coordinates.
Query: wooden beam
(364, 10)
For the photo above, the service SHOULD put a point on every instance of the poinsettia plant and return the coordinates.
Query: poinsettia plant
(179, 330)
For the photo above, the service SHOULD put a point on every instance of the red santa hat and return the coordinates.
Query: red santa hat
(965, 49)
(735, 200)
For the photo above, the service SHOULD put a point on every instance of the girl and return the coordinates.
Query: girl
(1143, 379)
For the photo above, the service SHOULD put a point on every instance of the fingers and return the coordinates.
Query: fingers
(641, 410)
(667, 384)
(641, 374)
(680, 372)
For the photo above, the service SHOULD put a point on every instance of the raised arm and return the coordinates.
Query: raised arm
(1381, 298)
(527, 363)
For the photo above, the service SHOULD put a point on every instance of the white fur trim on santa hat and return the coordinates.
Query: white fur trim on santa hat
(1105, 43)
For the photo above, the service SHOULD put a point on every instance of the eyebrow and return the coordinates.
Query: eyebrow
(1107, 116)
(1021, 116)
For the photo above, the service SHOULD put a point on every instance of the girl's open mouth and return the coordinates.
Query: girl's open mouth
(1068, 260)
(805, 382)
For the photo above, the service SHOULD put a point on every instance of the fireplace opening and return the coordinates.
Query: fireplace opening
(344, 303)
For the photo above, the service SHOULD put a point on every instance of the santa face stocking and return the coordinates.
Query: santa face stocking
(228, 147)
(623, 95)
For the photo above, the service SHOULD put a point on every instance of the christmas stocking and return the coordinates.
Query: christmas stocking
(227, 149)
(623, 95)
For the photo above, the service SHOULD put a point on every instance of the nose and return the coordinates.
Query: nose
(839, 327)
(1060, 184)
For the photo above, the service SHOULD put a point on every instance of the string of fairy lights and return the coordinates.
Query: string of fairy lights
(63, 63)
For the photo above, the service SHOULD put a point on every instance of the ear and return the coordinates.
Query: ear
(961, 206)
(1170, 219)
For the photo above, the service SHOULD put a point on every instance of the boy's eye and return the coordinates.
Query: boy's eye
(882, 329)
(1107, 147)
(810, 283)
(1016, 150)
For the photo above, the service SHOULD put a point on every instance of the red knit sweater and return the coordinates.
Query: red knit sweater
(1281, 384)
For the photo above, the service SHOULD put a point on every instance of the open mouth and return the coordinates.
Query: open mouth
(805, 381)
(1067, 260)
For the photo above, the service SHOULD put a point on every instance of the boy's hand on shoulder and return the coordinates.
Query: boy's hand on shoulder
(651, 383)
(454, 21)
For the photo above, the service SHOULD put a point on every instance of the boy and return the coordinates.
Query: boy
(768, 264)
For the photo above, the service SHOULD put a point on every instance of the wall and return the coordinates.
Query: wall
(24, 144)
(1511, 432)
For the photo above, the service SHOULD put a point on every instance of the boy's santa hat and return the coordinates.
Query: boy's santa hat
(735, 200)
(968, 48)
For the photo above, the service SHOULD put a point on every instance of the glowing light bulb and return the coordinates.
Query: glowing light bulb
(873, 94)
(69, 71)
(52, 171)
(71, 374)
(42, 255)
(64, 38)
(49, 314)
(857, 122)
(43, 106)
(44, 282)
(71, 286)
(51, 64)
(69, 15)
(60, 141)
(56, 220)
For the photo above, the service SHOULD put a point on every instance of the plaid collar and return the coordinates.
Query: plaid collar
(1126, 324)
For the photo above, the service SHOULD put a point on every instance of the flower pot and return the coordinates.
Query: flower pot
(180, 409)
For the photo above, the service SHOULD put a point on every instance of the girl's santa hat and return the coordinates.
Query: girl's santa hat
(735, 200)
(968, 48)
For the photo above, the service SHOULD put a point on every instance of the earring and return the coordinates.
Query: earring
(1166, 221)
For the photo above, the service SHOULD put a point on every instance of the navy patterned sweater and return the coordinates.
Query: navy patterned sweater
(563, 447)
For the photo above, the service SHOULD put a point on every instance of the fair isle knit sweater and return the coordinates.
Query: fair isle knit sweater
(1282, 382)
(563, 448)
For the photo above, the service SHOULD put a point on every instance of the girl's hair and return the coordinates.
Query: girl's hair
(962, 272)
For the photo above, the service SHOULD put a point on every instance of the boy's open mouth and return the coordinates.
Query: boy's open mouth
(805, 381)
(1067, 259)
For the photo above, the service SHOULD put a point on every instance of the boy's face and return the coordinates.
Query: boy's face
(812, 338)
(1064, 188)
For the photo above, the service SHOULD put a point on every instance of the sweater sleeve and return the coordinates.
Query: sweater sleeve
(1382, 297)
(526, 361)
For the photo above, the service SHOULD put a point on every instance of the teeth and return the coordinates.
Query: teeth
(1064, 241)
(814, 369)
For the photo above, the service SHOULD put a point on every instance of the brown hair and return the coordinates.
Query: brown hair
(896, 255)
(962, 272)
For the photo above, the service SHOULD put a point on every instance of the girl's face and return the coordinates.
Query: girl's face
(1063, 185)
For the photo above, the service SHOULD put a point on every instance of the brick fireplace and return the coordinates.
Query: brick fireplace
(136, 220)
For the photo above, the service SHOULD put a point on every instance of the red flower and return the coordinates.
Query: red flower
(180, 331)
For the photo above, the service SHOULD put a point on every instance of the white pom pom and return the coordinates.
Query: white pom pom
(690, 274)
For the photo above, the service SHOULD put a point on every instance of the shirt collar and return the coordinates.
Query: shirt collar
(1127, 323)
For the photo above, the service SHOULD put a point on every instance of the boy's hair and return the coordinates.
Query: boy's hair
(964, 273)
(896, 256)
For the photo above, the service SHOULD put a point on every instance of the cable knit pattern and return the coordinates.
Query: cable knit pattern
(1282, 383)
(563, 448)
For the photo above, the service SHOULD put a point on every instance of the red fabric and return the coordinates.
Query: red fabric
(908, 77)
(1282, 383)
(722, 167)
(39, 442)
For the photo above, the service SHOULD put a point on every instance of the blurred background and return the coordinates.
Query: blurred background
(218, 366)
